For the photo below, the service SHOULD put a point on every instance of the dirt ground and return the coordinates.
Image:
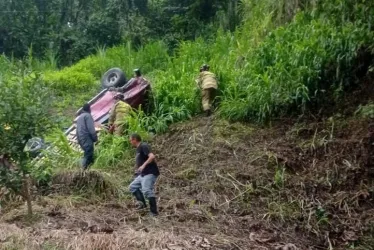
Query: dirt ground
(292, 185)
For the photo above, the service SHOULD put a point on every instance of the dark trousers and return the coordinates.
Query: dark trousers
(88, 158)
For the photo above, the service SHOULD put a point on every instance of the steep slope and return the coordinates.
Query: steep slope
(308, 184)
(228, 186)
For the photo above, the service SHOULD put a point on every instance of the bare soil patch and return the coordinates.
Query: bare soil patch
(306, 185)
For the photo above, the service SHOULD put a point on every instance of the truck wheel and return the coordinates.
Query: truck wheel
(113, 78)
(34, 146)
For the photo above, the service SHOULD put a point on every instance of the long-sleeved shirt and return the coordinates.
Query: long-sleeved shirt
(207, 80)
(86, 132)
(119, 112)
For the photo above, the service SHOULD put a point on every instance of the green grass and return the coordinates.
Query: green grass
(266, 69)
(276, 64)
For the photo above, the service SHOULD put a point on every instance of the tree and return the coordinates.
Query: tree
(72, 29)
(24, 113)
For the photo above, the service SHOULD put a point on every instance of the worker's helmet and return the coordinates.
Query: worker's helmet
(137, 72)
(205, 67)
(119, 96)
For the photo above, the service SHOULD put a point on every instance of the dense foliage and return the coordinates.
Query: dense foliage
(71, 29)
(271, 66)
(24, 113)
(285, 58)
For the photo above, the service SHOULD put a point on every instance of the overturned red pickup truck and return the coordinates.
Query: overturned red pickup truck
(136, 92)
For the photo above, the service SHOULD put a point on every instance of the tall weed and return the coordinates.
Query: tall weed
(112, 152)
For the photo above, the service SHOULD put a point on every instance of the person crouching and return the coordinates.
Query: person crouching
(207, 82)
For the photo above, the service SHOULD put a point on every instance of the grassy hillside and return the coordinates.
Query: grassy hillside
(306, 61)
(296, 185)
(277, 63)
(267, 68)
(303, 67)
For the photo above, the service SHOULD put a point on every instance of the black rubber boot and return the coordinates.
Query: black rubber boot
(153, 206)
(140, 198)
(208, 113)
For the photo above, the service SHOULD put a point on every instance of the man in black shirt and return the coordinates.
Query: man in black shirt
(147, 174)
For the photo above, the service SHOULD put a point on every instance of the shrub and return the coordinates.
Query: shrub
(366, 111)
(5, 66)
(68, 80)
(23, 115)
(86, 72)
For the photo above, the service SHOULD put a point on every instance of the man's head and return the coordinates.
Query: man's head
(87, 108)
(137, 73)
(205, 67)
(135, 140)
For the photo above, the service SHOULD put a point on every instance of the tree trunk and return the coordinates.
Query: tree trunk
(27, 195)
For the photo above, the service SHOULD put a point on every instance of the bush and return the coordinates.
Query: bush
(366, 111)
(5, 66)
(69, 80)
(88, 71)
(24, 114)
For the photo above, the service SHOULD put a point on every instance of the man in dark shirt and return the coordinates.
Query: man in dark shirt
(86, 135)
(147, 174)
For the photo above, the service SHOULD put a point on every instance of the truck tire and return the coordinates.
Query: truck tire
(114, 77)
(34, 146)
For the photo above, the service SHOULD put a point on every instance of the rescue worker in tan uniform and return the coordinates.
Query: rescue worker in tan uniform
(207, 82)
(117, 115)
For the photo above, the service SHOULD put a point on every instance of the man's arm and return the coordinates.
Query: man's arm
(91, 127)
(151, 157)
(197, 81)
